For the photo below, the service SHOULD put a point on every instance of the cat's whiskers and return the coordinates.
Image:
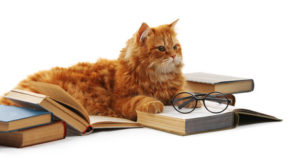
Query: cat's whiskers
(177, 60)
(166, 66)
(163, 71)
(152, 64)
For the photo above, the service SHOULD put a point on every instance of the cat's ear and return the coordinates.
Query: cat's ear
(143, 33)
(172, 25)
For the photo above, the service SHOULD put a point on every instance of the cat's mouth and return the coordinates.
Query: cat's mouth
(177, 60)
(166, 66)
(169, 65)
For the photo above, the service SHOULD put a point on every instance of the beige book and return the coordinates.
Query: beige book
(206, 82)
(54, 99)
(33, 136)
(200, 120)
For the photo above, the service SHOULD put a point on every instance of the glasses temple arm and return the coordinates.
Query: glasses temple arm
(217, 99)
(185, 103)
(183, 98)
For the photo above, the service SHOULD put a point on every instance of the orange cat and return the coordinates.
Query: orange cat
(144, 77)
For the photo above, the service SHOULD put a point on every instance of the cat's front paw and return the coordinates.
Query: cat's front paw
(152, 107)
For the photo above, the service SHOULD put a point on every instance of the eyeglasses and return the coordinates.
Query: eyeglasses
(214, 102)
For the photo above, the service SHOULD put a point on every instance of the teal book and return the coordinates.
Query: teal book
(13, 118)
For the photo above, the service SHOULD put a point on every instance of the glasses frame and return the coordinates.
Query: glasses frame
(203, 96)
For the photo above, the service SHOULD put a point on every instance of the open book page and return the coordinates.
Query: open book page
(104, 122)
(23, 100)
(105, 119)
(198, 112)
(29, 93)
(60, 95)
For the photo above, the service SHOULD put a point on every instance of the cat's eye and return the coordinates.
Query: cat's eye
(175, 47)
(161, 48)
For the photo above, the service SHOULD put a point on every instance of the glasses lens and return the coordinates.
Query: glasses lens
(184, 102)
(216, 102)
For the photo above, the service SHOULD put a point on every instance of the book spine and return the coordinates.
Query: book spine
(88, 130)
(49, 135)
(20, 129)
(65, 128)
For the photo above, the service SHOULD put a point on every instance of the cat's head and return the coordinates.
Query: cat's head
(154, 49)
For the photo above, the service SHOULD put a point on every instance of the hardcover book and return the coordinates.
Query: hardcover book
(33, 136)
(200, 120)
(205, 82)
(54, 99)
(15, 118)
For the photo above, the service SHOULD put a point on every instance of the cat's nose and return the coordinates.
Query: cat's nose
(173, 56)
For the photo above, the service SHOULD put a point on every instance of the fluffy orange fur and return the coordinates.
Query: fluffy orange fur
(144, 77)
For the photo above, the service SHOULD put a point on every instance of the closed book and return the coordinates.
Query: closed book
(33, 136)
(206, 82)
(15, 118)
(64, 107)
(200, 120)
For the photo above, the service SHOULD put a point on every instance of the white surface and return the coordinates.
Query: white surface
(256, 39)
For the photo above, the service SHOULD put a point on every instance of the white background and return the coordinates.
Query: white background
(256, 39)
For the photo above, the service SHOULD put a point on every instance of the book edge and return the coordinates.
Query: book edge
(174, 131)
(212, 87)
(197, 74)
(51, 101)
(28, 127)
(64, 135)
(223, 115)
(46, 113)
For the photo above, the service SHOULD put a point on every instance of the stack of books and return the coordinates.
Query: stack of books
(53, 113)
(49, 116)
(21, 127)
(201, 120)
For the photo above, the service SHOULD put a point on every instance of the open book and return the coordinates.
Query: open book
(200, 120)
(54, 99)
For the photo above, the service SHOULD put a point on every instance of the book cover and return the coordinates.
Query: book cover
(200, 120)
(207, 82)
(14, 118)
(33, 136)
